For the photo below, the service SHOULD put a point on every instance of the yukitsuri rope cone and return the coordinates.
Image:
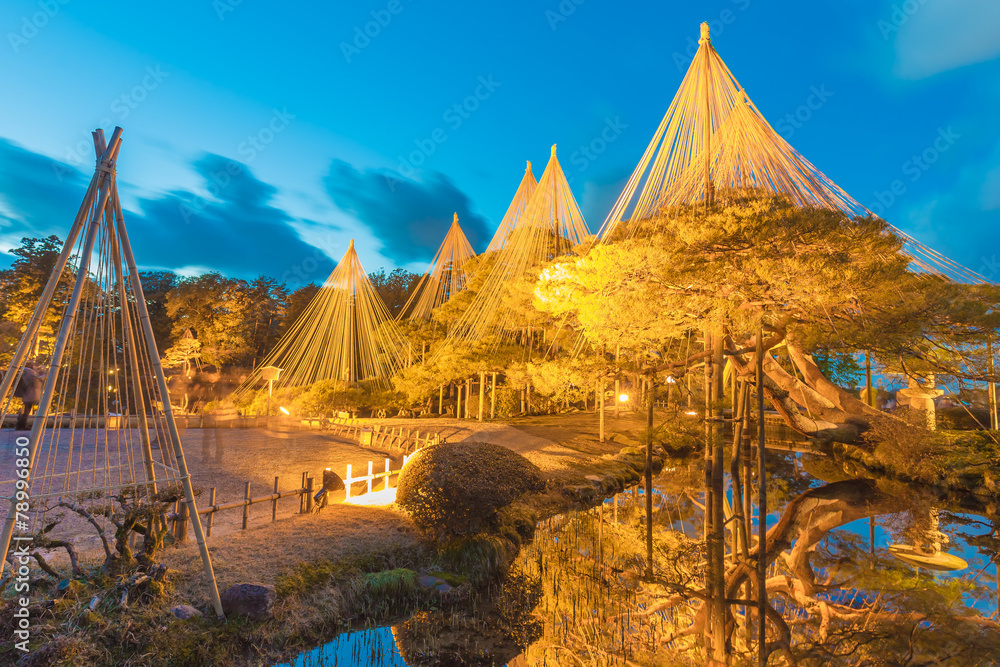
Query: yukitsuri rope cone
(550, 225)
(444, 278)
(344, 334)
(518, 206)
(104, 430)
(713, 139)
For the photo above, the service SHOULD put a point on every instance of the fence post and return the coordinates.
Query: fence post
(385, 487)
(309, 495)
(181, 527)
(370, 476)
(274, 503)
(347, 484)
(246, 506)
(211, 515)
(302, 504)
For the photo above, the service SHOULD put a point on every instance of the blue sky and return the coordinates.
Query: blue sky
(261, 136)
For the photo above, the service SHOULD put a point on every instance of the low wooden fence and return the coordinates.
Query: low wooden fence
(369, 479)
(407, 441)
(180, 517)
(394, 439)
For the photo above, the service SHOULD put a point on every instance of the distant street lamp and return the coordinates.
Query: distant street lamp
(270, 373)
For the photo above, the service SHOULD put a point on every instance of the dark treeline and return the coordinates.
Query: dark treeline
(235, 321)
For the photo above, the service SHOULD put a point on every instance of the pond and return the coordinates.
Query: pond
(859, 571)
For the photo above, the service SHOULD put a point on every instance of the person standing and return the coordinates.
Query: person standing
(29, 390)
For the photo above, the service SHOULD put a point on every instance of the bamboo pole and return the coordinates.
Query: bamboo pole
(147, 448)
(992, 386)
(761, 508)
(706, 40)
(618, 389)
(601, 409)
(48, 391)
(34, 323)
(165, 402)
(649, 482)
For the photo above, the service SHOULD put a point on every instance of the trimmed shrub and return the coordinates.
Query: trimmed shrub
(458, 488)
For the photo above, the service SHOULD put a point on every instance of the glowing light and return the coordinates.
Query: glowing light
(691, 413)
(285, 410)
(623, 398)
(670, 379)
(375, 498)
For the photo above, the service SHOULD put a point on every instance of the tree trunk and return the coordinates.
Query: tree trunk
(812, 405)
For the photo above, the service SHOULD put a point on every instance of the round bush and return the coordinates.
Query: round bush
(457, 488)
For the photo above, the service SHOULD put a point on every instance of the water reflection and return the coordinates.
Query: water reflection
(836, 590)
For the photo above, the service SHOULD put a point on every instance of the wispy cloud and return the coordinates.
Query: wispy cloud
(235, 230)
(934, 36)
(410, 217)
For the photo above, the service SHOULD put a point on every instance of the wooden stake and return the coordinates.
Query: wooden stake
(493, 397)
(211, 516)
(246, 508)
(181, 527)
(274, 503)
(302, 500)
(482, 393)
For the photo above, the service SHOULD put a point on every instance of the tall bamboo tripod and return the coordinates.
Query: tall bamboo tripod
(104, 363)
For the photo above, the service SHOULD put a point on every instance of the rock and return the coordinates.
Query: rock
(432, 583)
(427, 581)
(255, 601)
(185, 611)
